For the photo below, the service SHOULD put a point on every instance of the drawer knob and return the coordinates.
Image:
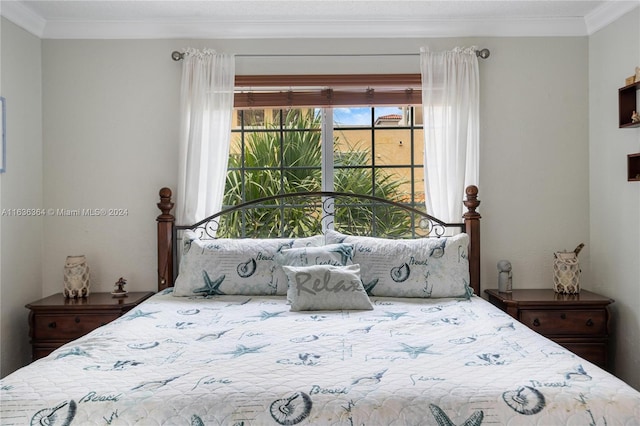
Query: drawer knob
(563, 316)
(590, 322)
(52, 324)
(536, 322)
(77, 320)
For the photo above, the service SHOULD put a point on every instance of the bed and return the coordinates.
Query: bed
(338, 328)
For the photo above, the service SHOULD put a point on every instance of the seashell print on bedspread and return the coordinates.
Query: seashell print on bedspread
(226, 360)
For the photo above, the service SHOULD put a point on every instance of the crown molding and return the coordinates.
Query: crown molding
(607, 13)
(21, 15)
(301, 28)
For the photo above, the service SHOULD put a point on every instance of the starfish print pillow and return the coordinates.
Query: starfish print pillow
(246, 266)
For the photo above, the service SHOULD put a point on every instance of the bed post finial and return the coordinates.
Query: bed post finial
(472, 227)
(471, 202)
(165, 240)
(165, 205)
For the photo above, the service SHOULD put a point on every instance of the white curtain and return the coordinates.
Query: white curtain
(206, 108)
(450, 102)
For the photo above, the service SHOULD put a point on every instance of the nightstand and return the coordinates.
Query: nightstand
(579, 322)
(54, 320)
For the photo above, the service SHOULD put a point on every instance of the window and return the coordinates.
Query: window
(374, 150)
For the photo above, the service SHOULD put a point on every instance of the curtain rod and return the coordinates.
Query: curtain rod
(177, 56)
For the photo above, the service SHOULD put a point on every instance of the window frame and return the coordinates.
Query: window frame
(283, 92)
(318, 90)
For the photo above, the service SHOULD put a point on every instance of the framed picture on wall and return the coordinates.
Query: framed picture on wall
(3, 127)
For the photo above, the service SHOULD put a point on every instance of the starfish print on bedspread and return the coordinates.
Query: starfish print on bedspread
(243, 350)
(264, 315)
(211, 288)
(395, 315)
(138, 314)
(414, 351)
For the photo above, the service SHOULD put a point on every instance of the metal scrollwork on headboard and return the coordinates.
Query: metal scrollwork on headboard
(306, 213)
(431, 228)
(310, 213)
(328, 212)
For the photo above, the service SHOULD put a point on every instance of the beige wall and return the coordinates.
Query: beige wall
(20, 188)
(614, 52)
(116, 135)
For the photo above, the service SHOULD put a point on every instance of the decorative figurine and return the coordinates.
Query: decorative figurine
(119, 290)
(505, 279)
(635, 117)
(76, 277)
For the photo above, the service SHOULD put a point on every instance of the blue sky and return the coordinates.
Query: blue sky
(360, 116)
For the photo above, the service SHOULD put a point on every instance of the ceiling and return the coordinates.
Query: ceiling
(119, 19)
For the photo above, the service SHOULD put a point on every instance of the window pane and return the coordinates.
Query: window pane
(391, 116)
(352, 147)
(248, 118)
(302, 148)
(262, 149)
(393, 147)
(280, 151)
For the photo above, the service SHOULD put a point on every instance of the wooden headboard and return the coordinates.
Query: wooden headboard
(321, 203)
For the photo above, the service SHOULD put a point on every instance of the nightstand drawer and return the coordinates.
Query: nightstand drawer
(67, 327)
(565, 322)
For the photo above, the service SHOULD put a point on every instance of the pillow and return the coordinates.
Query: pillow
(421, 267)
(326, 287)
(331, 254)
(234, 265)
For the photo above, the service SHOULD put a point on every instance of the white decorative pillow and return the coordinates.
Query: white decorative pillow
(326, 287)
(421, 267)
(234, 266)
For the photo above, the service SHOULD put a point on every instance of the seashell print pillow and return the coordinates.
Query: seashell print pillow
(234, 265)
(326, 287)
(421, 267)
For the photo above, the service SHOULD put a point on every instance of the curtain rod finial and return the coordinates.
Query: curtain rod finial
(177, 56)
(484, 53)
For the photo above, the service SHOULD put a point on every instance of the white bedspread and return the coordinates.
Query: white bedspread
(241, 360)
